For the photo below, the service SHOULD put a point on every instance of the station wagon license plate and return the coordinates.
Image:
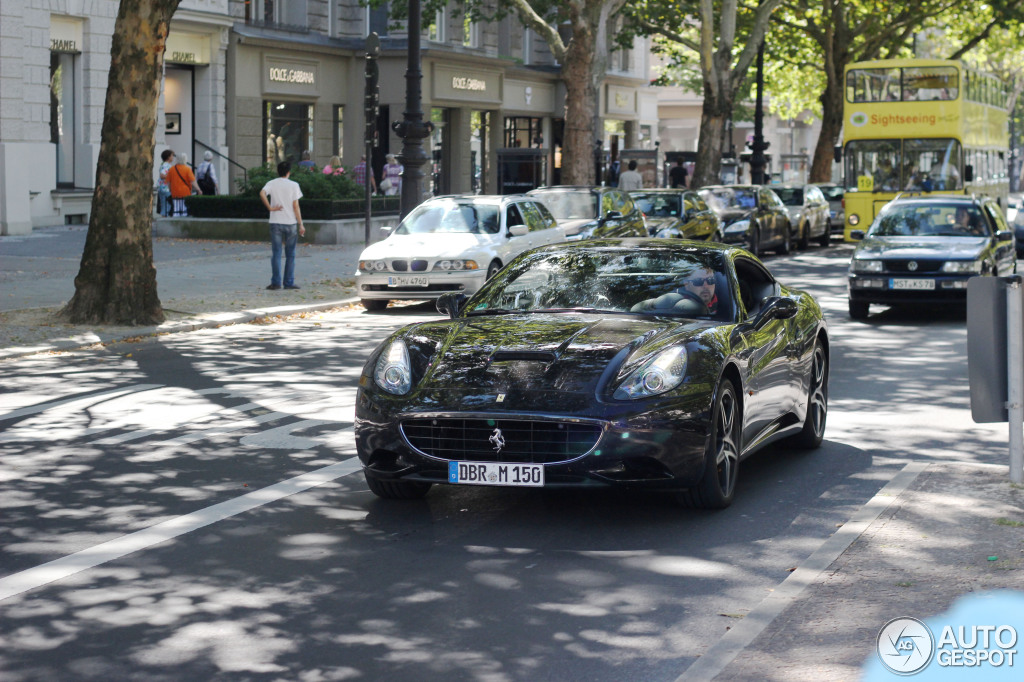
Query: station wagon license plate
(920, 284)
(496, 473)
(408, 282)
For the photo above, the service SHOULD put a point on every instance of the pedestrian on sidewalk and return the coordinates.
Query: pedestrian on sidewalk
(163, 189)
(631, 179)
(281, 197)
(206, 175)
(359, 172)
(183, 184)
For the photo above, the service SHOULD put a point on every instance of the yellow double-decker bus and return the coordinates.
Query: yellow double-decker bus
(921, 125)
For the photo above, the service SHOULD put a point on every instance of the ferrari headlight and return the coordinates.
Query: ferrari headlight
(962, 266)
(658, 374)
(865, 265)
(393, 372)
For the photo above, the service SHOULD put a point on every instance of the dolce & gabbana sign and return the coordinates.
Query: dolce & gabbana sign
(291, 76)
(464, 83)
(454, 83)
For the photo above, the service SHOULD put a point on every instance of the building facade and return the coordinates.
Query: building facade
(258, 81)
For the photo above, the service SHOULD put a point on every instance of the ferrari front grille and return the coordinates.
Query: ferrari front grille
(530, 441)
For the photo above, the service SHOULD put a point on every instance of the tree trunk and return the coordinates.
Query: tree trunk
(831, 128)
(580, 104)
(116, 282)
(713, 116)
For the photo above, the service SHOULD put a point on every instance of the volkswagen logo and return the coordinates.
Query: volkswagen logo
(497, 440)
(912, 265)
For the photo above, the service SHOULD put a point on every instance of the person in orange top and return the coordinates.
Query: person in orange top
(183, 183)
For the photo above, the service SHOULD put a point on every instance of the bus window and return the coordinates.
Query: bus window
(930, 83)
(872, 85)
(931, 165)
(873, 165)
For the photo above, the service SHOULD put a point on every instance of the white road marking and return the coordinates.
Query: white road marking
(725, 650)
(112, 550)
(84, 400)
(281, 438)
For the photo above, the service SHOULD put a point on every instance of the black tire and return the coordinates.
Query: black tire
(397, 490)
(787, 245)
(493, 268)
(721, 458)
(374, 304)
(859, 310)
(826, 237)
(805, 239)
(754, 241)
(817, 403)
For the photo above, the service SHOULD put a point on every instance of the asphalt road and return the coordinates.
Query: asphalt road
(189, 507)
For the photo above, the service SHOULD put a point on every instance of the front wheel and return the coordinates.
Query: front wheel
(722, 454)
(754, 241)
(493, 268)
(805, 238)
(396, 490)
(817, 403)
(826, 237)
(859, 309)
(786, 243)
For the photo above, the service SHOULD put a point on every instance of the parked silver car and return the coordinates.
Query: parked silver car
(834, 195)
(808, 213)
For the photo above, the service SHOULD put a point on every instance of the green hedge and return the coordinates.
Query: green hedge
(313, 183)
(233, 206)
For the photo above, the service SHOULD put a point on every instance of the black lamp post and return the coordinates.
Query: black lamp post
(758, 161)
(412, 128)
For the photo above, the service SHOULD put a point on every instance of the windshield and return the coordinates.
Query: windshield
(569, 204)
(448, 215)
(659, 205)
(791, 196)
(931, 220)
(676, 282)
(832, 192)
(729, 198)
(894, 165)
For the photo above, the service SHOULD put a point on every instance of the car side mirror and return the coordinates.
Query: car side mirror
(518, 230)
(968, 173)
(778, 308)
(450, 304)
(612, 215)
(857, 235)
(1004, 235)
(386, 231)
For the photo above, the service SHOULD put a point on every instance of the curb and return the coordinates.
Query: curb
(213, 320)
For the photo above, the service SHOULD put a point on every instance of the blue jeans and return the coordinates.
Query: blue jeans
(287, 236)
(163, 198)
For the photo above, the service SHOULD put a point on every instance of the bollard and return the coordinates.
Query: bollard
(1015, 376)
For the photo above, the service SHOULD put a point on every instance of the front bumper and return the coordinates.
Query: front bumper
(879, 288)
(635, 449)
(383, 286)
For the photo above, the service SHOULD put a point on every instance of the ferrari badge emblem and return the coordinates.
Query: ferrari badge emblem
(497, 440)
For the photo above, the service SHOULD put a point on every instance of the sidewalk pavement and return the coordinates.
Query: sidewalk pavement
(936, 532)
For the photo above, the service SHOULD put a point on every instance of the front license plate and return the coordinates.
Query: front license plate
(407, 282)
(912, 284)
(496, 473)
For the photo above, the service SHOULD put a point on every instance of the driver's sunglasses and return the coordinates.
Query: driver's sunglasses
(701, 281)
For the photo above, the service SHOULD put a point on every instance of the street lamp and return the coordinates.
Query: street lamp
(758, 161)
(412, 128)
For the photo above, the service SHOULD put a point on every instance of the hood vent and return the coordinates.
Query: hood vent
(523, 356)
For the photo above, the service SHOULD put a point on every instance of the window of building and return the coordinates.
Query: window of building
(377, 19)
(470, 32)
(289, 131)
(523, 131)
(62, 115)
(339, 131)
(277, 13)
(435, 27)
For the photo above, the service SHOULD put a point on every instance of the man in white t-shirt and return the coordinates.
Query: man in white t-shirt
(281, 197)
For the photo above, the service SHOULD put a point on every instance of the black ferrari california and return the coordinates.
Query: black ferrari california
(637, 363)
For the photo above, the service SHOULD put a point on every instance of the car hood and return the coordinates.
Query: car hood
(921, 247)
(436, 245)
(541, 362)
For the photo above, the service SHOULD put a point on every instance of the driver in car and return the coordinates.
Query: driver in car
(701, 283)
